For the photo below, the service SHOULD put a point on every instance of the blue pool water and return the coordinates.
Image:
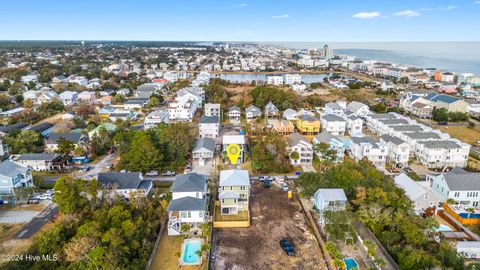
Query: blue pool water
(351, 263)
(190, 255)
(443, 228)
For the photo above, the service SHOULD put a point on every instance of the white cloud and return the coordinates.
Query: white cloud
(477, 2)
(366, 15)
(284, 16)
(450, 7)
(407, 13)
(241, 5)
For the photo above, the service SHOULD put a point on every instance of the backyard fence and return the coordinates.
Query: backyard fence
(157, 242)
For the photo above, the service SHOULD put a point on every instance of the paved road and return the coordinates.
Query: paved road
(32, 227)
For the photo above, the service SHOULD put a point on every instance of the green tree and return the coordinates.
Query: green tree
(142, 155)
(64, 146)
(71, 194)
(440, 115)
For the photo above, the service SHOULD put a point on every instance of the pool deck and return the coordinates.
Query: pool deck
(184, 244)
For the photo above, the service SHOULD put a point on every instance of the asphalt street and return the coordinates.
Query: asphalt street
(32, 227)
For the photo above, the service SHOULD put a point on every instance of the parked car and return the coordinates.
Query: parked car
(112, 150)
(285, 187)
(280, 179)
(288, 247)
(263, 178)
(188, 168)
(45, 196)
(152, 173)
(266, 184)
(168, 173)
(408, 170)
(32, 201)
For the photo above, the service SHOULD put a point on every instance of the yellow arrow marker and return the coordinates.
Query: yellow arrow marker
(233, 151)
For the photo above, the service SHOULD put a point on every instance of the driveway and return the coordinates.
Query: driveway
(11, 217)
(102, 166)
(205, 170)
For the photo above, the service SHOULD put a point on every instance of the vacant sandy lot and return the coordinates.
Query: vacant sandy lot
(274, 217)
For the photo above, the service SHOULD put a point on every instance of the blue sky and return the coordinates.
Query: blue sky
(259, 20)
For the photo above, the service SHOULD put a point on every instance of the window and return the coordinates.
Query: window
(183, 214)
(200, 214)
(189, 214)
(242, 188)
(197, 195)
(457, 194)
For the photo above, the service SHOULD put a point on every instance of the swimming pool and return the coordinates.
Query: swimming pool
(189, 250)
(351, 263)
(443, 228)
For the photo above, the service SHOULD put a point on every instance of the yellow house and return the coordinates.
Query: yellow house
(308, 125)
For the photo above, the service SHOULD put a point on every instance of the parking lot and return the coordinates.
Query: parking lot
(274, 217)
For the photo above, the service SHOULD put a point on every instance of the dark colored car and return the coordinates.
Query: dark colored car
(288, 247)
(266, 183)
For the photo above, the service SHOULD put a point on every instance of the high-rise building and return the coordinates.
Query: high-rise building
(327, 53)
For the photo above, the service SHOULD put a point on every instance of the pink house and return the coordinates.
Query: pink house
(448, 89)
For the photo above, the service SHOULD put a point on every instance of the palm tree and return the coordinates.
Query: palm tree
(470, 211)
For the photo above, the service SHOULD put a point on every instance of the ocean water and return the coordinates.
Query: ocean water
(462, 57)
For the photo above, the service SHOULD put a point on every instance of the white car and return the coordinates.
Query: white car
(152, 173)
(45, 196)
(279, 179)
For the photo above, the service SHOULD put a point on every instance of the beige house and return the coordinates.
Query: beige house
(234, 191)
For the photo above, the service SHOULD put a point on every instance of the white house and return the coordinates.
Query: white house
(234, 112)
(358, 108)
(334, 143)
(68, 97)
(398, 150)
(468, 249)
(40, 161)
(125, 184)
(299, 144)
(336, 108)
(333, 124)
(212, 109)
(235, 139)
(292, 79)
(354, 125)
(189, 202)
(419, 193)
(290, 114)
(156, 117)
(87, 97)
(444, 153)
(252, 112)
(366, 147)
(459, 185)
(275, 80)
(209, 126)
(135, 103)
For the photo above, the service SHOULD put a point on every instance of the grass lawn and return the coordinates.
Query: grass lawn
(241, 216)
(168, 248)
(466, 134)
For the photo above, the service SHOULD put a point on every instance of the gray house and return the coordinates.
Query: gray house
(253, 112)
(203, 151)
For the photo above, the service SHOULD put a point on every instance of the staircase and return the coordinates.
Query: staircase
(174, 226)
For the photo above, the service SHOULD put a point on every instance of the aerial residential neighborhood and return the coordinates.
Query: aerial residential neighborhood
(126, 151)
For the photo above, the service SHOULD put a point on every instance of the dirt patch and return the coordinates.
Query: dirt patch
(274, 217)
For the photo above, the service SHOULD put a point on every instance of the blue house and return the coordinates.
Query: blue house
(330, 199)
